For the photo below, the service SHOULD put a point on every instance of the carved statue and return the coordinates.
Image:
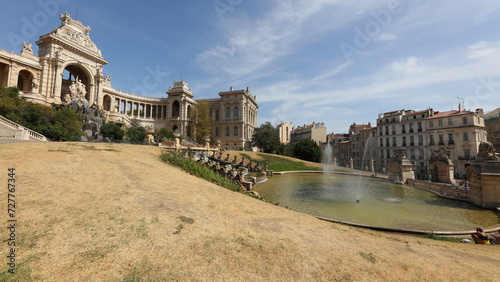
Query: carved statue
(34, 83)
(399, 154)
(67, 99)
(27, 47)
(487, 152)
(65, 18)
(440, 154)
(77, 90)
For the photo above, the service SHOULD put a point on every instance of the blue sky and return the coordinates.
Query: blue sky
(306, 60)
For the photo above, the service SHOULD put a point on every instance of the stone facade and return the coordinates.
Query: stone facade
(314, 131)
(460, 133)
(484, 177)
(492, 124)
(284, 130)
(234, 118)
(404, 129)
(69, 63)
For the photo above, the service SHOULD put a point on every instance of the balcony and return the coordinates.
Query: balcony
(466, 158)
(394, 132)
(432, 143)
(403, 131)
(441, 142)
(411, 130)
(404, 144)
(451, 142)
(394, 145)
(412, 143)
(420, 143)
(420, 130)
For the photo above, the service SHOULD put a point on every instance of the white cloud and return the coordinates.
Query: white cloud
(483, 50)
(386, 37)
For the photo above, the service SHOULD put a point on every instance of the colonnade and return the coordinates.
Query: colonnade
(142, 110)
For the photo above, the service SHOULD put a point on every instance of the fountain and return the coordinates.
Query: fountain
(385, 204)
(328, 159)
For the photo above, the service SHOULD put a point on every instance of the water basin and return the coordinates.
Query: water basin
(381, 203)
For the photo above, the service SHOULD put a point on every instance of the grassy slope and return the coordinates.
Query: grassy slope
(110, 212)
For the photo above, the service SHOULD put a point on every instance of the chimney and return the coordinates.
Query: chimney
(480, 112)
(230, 88)
(460, 108)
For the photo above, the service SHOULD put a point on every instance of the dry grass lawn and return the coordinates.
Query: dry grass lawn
(111, 212)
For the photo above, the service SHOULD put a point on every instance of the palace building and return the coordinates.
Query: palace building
(69, 65)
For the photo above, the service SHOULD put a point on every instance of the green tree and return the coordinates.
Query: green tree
(266, 138)
(164, 133)
(54, 122)
(66, 126)
(307, 150)
(136, 134)
(112, 130)
(201, 121)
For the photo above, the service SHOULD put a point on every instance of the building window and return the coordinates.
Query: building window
(450, 121)
(227, 131)
(387, 142)
(216, 132)
(450, 139)
(236, 112)
(393, 129)
(431, 139)
(440, 122)
(467, 154)
(404, 140)
(464, 120)
(216, 114)
(419, 127)
(386, 130)
(394, 141)
(228, 113)
(235, 131)
(466, 136)
(403, 130)
(431, 123)
(441, 139)
(420, 140)
(411, 127)
(412, 141)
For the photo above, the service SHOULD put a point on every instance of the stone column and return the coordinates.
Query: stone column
(351, 163)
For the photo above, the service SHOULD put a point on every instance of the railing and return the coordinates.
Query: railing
(15, 126)
(466, 158)
(411, 130)
(441, 142)
(432, 143)
(420, 130)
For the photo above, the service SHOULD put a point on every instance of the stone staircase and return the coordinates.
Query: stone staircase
(10, 130)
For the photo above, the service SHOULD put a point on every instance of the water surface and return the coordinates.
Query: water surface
(381, 204)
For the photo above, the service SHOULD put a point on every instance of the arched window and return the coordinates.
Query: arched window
(25, 81)
(228, 113)
(175, 128)
(216, 114)
(107, 103)
(235, 131)
(236, 112)
(216, 132)
(227, 131)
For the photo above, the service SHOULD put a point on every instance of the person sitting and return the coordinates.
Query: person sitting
(495, 240)
(480, 237)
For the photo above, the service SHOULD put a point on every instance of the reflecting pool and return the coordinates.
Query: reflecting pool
(381, 203)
